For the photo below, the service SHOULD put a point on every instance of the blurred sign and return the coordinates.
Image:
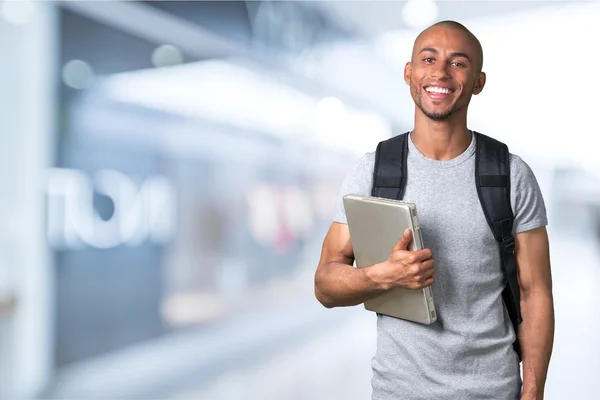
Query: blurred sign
(279, 216)
(140, 213)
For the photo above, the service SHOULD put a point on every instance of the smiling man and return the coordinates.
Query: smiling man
(475, 348)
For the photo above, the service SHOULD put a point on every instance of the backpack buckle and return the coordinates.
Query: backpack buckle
(508, 240)
(508, 244)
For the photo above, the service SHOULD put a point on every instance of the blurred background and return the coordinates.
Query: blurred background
(168, 171)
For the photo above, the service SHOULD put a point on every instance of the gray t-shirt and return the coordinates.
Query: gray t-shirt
(467, 353)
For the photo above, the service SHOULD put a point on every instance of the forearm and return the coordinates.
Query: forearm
(341, 285)
(537, 338)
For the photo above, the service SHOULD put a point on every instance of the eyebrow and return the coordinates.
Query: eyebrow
(455, 54)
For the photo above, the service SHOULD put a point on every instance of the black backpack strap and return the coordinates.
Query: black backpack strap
(389, 174)
(492, 175)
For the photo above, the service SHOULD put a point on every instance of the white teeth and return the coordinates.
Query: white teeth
(434, 89)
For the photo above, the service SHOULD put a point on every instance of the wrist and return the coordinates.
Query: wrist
(531, 392)
(376, 278)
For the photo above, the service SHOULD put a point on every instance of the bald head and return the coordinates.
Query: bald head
(455, 26)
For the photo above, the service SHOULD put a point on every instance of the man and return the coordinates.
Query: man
(468, 352)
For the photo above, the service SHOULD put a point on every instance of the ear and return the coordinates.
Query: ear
(479, 83)
(407, 72)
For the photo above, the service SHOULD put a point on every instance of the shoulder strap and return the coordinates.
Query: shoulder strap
(389, 174)
(492, 176)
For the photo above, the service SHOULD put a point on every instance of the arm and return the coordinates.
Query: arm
(537, 329)
(337, 282)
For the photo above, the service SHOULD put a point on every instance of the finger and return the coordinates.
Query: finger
(420, 269)
(423, 284)
(423, 271)
(422, 255)
(425, 280)
(429, 275)
(427, 266)
(402, 243)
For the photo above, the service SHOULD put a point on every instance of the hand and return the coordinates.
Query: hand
(407, 269)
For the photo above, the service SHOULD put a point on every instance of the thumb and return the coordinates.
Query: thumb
(402, 243)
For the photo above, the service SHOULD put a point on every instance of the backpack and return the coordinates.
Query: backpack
(492, 179)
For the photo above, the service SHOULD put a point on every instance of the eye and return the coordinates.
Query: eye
(458, 64)
(428, 59)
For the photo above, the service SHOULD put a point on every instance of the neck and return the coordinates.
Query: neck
(441, 140)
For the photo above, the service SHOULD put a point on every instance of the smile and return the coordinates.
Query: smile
(438, 90)
(438, 93)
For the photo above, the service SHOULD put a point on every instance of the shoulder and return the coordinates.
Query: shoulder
(367, 161)
(358, 181)
(526, 196)
(517, 163)
(362, 166)
(527, 200)
(360, 175)
(520, 171)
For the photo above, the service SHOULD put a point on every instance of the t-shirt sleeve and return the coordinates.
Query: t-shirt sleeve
(526, 197)
(357, 181)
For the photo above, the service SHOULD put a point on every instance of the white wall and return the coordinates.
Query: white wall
(26, 126)
(542, 89)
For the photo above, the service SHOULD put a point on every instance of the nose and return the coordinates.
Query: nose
(439, 70)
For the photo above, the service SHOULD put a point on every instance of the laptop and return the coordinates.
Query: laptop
(375, 225)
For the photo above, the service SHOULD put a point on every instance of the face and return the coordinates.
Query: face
(443, 73)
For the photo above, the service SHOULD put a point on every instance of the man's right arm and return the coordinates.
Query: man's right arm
(337, 282)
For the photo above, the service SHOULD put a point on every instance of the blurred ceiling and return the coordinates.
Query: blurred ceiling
(371, 18)
(323, 48)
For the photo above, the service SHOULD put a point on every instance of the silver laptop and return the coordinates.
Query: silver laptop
(376, 225)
